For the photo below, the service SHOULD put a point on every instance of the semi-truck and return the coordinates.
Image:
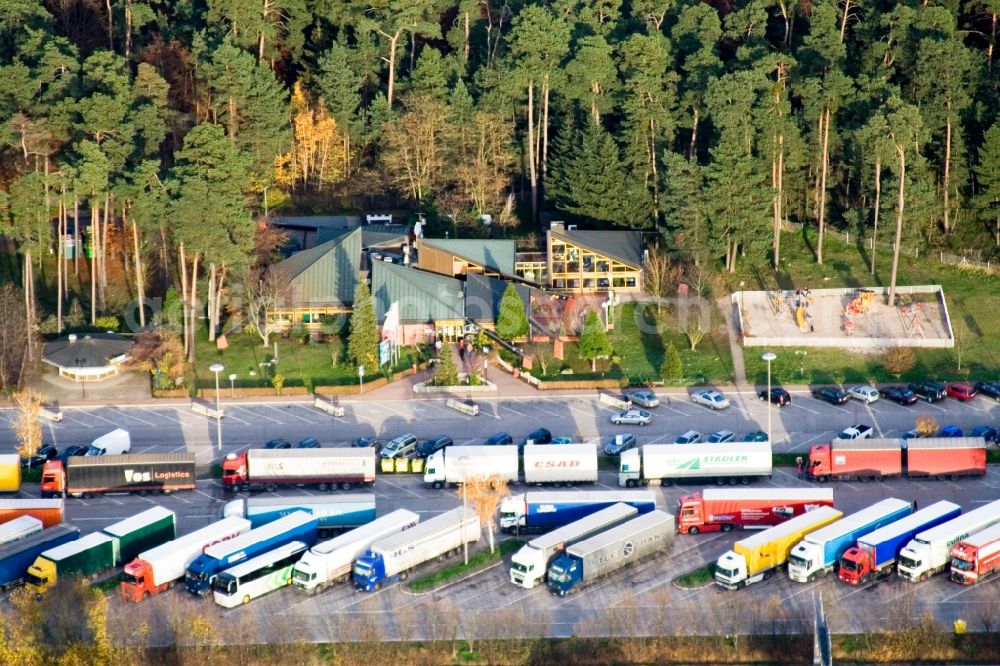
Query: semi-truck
(201, 573)
(587, 560)
(10, 473)
(875, 554)
(86, 476)
(49, 511)
(457, 464)
(332, 513)
(324, 469)
(529, 565)
(104, 549)
(17, 556)
(929, 552)
(756, 557)
(726, 509)
(390, 559)
(666, 464)
(19, 528)
(563, 464)
(331, 561)
(541, 511)
(976, 557)
(819, 553)
(158, 569)
(872, 459)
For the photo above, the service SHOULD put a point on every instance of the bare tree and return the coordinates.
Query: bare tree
(27, 427)
(262, 288)
(660, 277)
(486, 494)
(14, 337)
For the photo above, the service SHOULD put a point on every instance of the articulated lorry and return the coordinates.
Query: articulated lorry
(158, 569)
(86, 476)
(756, 557)
(875, 554)
(873, 459)
(457, 464)
(324, 469)
(727, 509)
(332, 513)
(667, 464)
(201, 573)
(976, 557)
(331, 561)
(563, 464)
(103, 550)
(819, 553)
(10, 473)
(604, 553)
(49, 511)
(541, 511)
(17, 556)
(19, 528)
(529, 565)
(390, 559)
(929, 552)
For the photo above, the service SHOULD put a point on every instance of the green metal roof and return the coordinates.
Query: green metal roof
(623, 246)
(324, 275)
(423, 297)
(495, 254)
(372, 235)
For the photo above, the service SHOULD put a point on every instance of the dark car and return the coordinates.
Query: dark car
(369, 442)
(308, 443)
(950, 431)
(620, 443)
(986, 432)
(500, 439)
(989, 389)
(436, 443)
(71, 452)
(758, 436)
(961, 392)
(898, 394)
(779, 396)
(278, 444)
(929, 391)
(831, 394)
(45, 453)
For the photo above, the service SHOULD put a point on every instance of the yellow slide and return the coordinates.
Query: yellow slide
(800, 318)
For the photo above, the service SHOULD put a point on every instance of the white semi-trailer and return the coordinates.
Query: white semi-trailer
(666, 464)
(457, 464)
(930, 552)
(559, 464)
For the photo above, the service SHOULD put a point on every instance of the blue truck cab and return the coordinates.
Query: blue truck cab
(369, 572)
(564, 573)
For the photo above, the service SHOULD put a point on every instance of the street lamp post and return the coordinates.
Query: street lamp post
(217, 368)
(769, 356)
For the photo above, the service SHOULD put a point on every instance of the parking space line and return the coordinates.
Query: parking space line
(230, 409)
(580, 411)
(273, 409)
(399, 487)
(69, 417)
(118, 410)
(830, 405)
(796, 404)
(289, 412)
(807, 441)
(503, 406)
(91, 414)
(173, 418)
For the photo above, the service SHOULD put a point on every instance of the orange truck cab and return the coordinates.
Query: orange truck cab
(53, 479)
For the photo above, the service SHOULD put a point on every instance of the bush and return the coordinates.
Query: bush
(446, 371)
(672, 368)
(106, 323)
(899, 360)
(278, 382)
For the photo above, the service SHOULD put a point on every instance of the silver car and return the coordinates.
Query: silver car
(866, 394)
(644, 398)
(399, 447)
(632, 417)
(710, 398)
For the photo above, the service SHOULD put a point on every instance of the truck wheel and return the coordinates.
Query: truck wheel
(143, 493)
(693, 530)
(245, 488)
(145, 595)
(323, 486)
(270, 487)
(630, 483)
(732, 481)
(437, 485)
(246, 599)
(346, 485)
(728, 527)
(823, 478)
(404, 575)
(745, 480)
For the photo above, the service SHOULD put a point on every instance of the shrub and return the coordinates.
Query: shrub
(899, 360)
(672, 368)
(106, 323)
(278, 382)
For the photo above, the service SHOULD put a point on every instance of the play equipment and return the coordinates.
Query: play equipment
(911, 319)
(803, 299)
(861, 302)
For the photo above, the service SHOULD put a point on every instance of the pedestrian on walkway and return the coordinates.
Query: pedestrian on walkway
(437, 347)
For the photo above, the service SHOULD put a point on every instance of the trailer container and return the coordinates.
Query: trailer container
(874, 459)
(86, 476)
(542, 511)
(929, 552)
(19, 528)
(666, 464)
(158, 569)
(10, 473)
(560, 464)
(945, 456)
(756, 557)
(604, 553)
(746, 508)
(391, 559)
(332, 513)
(457, 464)
(86, 556)
(530, 564)
(819, 553)
(332, 561)
(874, 554)
(49, 511)
(270, 469)
(17, 556)
(976, 557)
(149, 529)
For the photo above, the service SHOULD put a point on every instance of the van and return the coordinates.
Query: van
(399, 447)
(114, 443)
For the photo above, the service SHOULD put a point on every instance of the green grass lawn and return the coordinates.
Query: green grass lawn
(973, 299)
(477, 561)
(700, 576)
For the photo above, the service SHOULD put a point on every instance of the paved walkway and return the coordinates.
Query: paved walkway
(735, 348)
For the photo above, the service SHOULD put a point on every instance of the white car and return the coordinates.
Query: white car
(866, 394)
(721, 437)
(710, 398)
(632, 417)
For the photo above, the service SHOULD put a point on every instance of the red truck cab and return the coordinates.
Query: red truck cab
(855, 566)
(691, 515)
(234, 471)
(137, 581)
(53, 479)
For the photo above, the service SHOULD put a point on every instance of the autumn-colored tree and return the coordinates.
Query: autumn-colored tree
(161, 354)
(316, 159)
(485, 493)
(27, 427)
(899, 360)
(417, 145)
(926, 425)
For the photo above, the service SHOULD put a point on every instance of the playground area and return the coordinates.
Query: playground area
(846, 318)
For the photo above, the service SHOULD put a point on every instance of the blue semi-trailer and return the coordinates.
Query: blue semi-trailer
(332, 512)
(17, 556)
(543, 511)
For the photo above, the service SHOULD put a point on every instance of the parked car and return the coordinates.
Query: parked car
(866, 394)
(499, 439)
(45, 453)
(859, 431)
(779, 396)
(562, 439)
(832, 395)
(950, 431)
(433, 444)
(539, 436)
(927, 390)
(721, 437)
(710, 398)
(620, 443)
(308, 443)
(758, 436)
(986, 432)
(989, 389)
(912, 433)
(961, 392)
(369, 442)
(632, 416)
(72, 451)
(690, 437)
(278, 444)
(898, 394)
(399, 447)
(643, 398)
